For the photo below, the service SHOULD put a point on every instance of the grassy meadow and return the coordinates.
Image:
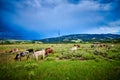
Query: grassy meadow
(84, 64)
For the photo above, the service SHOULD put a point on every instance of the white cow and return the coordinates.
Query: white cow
(14, 50)
(38, 53)
(74, 48)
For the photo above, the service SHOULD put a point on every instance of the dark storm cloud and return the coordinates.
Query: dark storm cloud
(44, 18)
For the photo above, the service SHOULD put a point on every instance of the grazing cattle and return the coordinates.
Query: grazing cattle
(17, 56)
(22, 54)
(74, 48)
(26, 53)
(108, 47)
(48, 50)
(38, 53)
(104, 45)
(78, 46)
(100, 45)
(13, 50)
(112, 45)
(30, 50)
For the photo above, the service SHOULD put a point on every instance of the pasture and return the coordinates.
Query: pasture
(85, 63)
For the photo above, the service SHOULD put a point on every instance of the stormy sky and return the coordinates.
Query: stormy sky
(38, 19)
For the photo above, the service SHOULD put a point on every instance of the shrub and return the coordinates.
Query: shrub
(50, 59)
(114, 56)
(60, 57)
(115, 50)
(104, 54)
(96, 52)
(88, 56)
(67, 56)
(99, 58)
(74, 58)
(77, 55)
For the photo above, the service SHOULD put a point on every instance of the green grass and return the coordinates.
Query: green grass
(82, 64)
(60, 70)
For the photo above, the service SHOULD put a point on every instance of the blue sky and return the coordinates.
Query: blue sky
(38, 19)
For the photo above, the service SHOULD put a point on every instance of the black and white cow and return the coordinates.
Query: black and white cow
(26, 53)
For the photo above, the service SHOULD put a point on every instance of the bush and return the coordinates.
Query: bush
(114, 56)
(50, 59)
(74, 58)
(66, 56)
(88, 56)
(115, 50)
(77, 55)
(104, 54)
(99, 58)
(56, 55)
(96, 52)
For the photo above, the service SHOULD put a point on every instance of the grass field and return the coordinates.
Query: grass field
(82, 64)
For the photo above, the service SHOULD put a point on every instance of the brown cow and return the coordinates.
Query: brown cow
(13, 50)
(48, 50)
(77, 45)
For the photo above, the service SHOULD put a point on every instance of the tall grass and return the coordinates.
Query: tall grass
(68, 65)
(60, 70)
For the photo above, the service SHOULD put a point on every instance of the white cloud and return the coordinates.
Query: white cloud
(65, 12)
(112, 27)
(109, 29)
(39, 16)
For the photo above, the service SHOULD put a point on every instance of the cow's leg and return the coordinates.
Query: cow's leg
(43, 56)
(28, 57)
(20, 58)
(36, 57)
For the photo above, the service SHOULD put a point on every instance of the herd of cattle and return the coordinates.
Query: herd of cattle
(44, 52)
(30, 52)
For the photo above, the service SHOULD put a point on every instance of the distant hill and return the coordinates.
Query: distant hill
(83, 38)
(73, 38)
